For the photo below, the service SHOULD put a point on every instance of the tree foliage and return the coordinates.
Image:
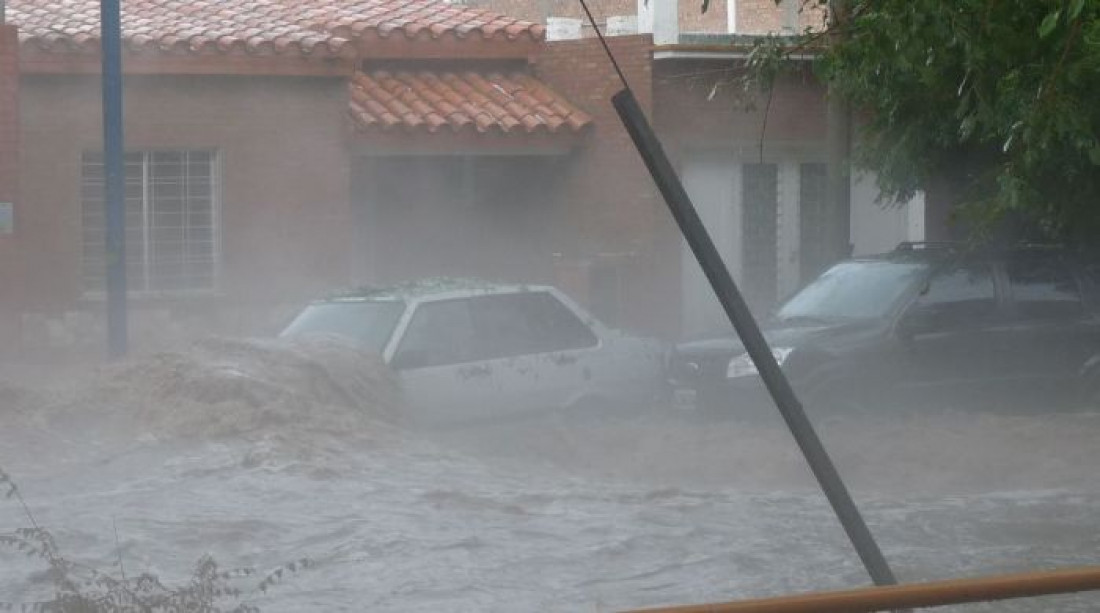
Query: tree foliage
(997, 100)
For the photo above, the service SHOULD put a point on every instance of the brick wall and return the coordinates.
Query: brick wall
(698, 104)
(764, 16)
(11, 269)
(693, 19)
(284, 203)
(613, 222)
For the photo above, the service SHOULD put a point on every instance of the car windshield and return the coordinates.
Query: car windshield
(368, 324)
(852, 290)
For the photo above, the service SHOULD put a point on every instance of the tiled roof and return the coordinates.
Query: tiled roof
(482, 102)
(267, 27)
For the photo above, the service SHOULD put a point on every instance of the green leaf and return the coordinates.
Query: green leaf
(966, 127)
(1049, 23)
(1075, 8)
(1094, 155)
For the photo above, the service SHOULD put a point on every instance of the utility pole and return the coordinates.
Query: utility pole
(838, 118)
(114, 177)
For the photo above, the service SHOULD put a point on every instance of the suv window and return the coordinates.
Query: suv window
(961, 294)
(524, 323)
(857, 289)
(1043, 287)
(439, 333)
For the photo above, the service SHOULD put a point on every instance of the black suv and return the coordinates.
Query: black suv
(924, 326)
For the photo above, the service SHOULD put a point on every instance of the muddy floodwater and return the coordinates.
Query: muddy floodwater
(259, 455)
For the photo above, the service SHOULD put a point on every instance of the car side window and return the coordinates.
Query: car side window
(439, 333)
(1043, 287)
(525, 323)
(962, 294)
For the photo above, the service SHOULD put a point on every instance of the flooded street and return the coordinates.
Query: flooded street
(261, 456)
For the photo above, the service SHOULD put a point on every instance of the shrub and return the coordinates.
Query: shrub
(82, 589)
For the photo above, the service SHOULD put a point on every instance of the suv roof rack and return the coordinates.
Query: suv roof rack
(922, 245)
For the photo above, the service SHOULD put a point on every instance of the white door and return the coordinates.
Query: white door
(441, 376)
(541, 354)
(493, 356)
(712, 180)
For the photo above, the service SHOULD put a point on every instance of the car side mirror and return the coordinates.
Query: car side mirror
(408, 359)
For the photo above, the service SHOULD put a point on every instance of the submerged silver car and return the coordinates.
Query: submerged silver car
(467, 351)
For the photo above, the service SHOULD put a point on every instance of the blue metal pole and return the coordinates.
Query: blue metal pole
(114, 175)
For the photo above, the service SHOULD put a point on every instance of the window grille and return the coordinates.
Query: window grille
(759, 223)
(171, 221)
(813, 220)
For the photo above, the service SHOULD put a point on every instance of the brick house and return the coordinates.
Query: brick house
(281, 148)
(278, 149)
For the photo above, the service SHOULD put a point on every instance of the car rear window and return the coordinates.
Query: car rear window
(368, 324)
(960, 294)
(1043, 287)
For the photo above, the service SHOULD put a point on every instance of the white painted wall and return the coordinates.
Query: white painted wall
(645, 16)
(563, 28)
(713, 181)
(876, 227)
(787, 241)
(661, 18)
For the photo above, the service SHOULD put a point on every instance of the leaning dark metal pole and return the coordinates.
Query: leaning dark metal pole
(114, 176)
(755, 344)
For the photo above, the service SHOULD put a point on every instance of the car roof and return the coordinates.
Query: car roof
(938, 251)
(433, 288)
(904, 253)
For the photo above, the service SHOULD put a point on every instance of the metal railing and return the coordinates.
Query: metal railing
(912, 595)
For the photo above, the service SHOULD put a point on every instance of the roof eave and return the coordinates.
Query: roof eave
(691, 52)
(448, 48)
(37, 61)
(706, 46)
(399, 142)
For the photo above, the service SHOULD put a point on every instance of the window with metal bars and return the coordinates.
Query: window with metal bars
(759, 227)
(813, 221)
(171, 221)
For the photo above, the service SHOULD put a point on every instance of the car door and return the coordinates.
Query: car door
(541, 355)
(440, 365)
(1051, 334)
(947, 336)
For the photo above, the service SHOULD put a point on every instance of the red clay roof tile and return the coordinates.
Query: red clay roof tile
(285, 27)
(485, 102)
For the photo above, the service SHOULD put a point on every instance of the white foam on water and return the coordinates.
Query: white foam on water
(260, 453)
